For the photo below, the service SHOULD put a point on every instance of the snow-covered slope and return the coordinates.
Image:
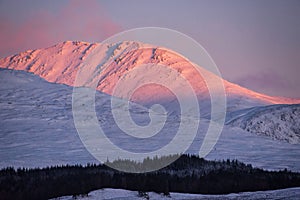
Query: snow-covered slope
(276, 121)
(37, 129)
(60, 63)
(36, 121)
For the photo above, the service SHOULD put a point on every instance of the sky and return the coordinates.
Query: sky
(255, 43)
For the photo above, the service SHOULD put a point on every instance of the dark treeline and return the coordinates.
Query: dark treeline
(188, 174)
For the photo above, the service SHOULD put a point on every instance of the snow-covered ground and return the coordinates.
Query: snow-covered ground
(37, 130)
(118, 194)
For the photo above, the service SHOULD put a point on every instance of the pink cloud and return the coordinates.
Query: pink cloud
(78, 20)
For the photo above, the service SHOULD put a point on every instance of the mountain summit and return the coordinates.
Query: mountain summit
(60, 64)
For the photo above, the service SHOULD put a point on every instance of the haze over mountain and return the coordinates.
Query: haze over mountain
(60, 64)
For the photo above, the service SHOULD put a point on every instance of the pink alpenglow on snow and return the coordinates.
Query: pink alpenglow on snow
(60, 63)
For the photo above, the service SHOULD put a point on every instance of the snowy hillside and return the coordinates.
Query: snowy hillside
(279, 122)
(37, 130)
(60, 63)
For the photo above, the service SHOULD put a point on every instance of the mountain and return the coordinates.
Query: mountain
(60, 64)
(134, 61)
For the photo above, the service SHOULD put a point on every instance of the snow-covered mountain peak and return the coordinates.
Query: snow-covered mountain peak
(60, 64)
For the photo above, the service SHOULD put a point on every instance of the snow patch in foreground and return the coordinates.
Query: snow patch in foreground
(117, 194)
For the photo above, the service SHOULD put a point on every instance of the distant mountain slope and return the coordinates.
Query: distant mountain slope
(37, 129)
(59, 64)
(276, 121)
